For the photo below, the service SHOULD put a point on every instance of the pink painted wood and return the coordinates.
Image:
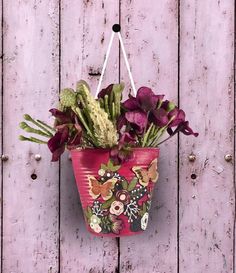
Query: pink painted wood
(83, 50)
(207, 203)
(1, 129)
(30, 218)
(42, 225)
(151, 40)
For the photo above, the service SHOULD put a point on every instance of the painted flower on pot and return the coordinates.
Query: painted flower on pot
(144, 221)
(95, 220)
(95, 227)
(116, 208)
(123, 196)
(116, 224)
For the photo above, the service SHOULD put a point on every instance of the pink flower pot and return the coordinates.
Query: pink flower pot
(115, 199)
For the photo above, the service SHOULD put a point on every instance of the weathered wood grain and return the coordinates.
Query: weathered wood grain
(1, 129)
(150, 35)
(85, 33)
(30, 207)
(207, 203)
(36, 213)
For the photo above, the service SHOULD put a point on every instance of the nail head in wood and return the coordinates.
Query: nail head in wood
(192, 158)
(4, 157)
(116, 28)
(37, 157)
(228, 157)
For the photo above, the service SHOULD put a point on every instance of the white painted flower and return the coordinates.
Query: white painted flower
(95, 220)
(144, 221)
(101, 172)
(95, 227)
(117, 208)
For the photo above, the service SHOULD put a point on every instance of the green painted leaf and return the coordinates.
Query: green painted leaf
(124, 184)
(108, 202)
(144, 208)
(115, 168)
(104, 167)
(109, 164)
(132, 184)
(90, 213)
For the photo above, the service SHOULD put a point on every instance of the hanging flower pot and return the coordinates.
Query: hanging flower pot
(115, 199)
(114, 148)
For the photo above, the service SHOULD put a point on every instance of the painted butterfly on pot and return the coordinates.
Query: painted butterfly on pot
(118, 203)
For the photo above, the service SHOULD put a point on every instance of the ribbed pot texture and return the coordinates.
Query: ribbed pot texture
(115, 200)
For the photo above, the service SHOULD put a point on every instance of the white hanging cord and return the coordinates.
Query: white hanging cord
(127, 64)
(116, 29)
(105, 63)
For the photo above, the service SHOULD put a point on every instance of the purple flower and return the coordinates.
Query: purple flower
(105, 91)
(184, 128)
(68, 133)
(138, 120)
(178, 116)
(127, 138)
(141, 110)
(145, 100)
(62, 117)
(57, 143)
(159, 117)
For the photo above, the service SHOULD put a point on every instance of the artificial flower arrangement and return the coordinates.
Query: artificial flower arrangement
(114, 148)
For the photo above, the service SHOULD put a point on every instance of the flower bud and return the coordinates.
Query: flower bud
(27, 117)
(170, 106)
(22, 138)
(23, 125)
(68, 97)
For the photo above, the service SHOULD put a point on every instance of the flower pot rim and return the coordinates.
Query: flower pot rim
(109, 149)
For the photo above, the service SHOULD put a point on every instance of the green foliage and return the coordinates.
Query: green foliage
(107, 204)
(110, 166)
(132, 184)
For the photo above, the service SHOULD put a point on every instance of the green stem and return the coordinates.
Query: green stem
(81, 99)
(27, 128)
(146, 135)
(102, 104)
(78, 112)
(113, 112)
(46, 125)
(32, 139)
(30, 119)
(111, 98)
(117, 103)
(106, 106)
(160, 133)
(164, 140)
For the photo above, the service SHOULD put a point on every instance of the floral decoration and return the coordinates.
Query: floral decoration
(83, 121)
(119, 202)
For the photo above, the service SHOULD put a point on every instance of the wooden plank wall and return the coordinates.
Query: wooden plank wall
(184, 49)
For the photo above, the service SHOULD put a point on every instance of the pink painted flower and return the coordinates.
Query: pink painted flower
(116, 208)
(144, 221)
(123, 196)
(116, 224)
(95, 227)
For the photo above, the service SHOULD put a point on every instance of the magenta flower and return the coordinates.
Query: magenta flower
(116, 224)
(184, 128)
(57, 143)
(145, 100)
(142, 110)
(105, 91)
(68, 133)
(138, 120)
(159, 117)
(62, 117)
